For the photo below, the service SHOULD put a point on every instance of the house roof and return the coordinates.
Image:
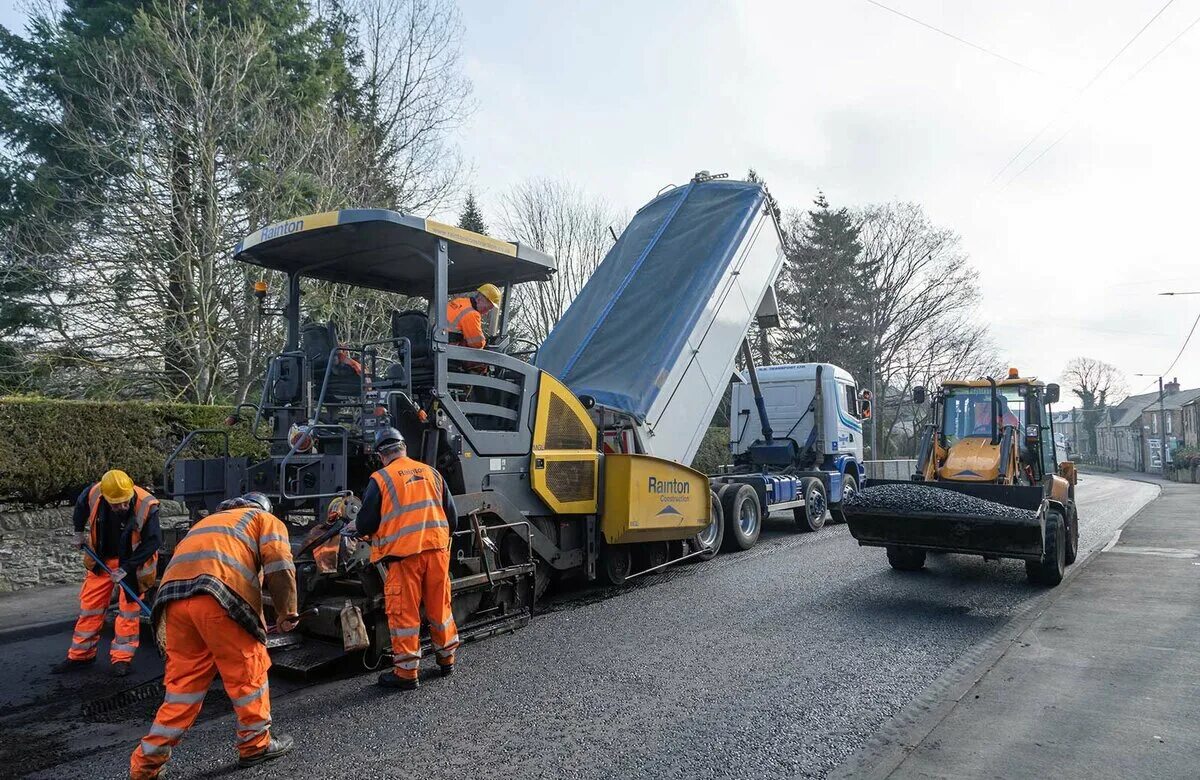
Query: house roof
(1129, 412)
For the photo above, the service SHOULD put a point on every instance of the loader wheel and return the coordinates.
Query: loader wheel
(811, 516)
(743, 517)
(1073, 535)
(1049, 570)
(849, 488)
(708, 542)
(906, 558)
(615, 562)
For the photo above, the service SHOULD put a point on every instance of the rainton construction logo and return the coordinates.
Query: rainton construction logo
(679, 487)
(282, 229)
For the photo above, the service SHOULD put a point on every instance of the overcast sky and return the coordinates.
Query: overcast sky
(625, 97)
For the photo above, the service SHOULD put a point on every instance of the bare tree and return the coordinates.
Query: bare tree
(1097, 385)
(560, 219)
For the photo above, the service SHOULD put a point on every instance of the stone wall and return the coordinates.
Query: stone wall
(36, 549)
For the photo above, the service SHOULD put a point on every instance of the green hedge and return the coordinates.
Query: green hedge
(51, 449)
(714, 450)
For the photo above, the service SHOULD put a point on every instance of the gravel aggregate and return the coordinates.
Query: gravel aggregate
(923, 498)
(777, 662)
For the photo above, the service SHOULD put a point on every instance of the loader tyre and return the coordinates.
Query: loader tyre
(811, 516)
(906, 558)
(708, 542)
(849, 488)
(1072, 534)
(1049, 570)
(743, 517)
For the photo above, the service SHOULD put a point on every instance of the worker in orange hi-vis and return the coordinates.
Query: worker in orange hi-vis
(210, 607)
(409, 515)
(465, 315)
(119, 522)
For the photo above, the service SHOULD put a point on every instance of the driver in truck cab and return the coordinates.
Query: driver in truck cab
(465, 315)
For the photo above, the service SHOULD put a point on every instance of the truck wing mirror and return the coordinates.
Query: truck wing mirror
(1052, 393)
(918, 395)
(865, 408)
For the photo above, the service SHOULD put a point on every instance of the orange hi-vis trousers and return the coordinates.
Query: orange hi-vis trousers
(201, 641)
(424, 577)
(94, 597)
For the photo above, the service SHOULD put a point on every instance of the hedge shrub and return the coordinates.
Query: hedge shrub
(51, 449)
(714, 450)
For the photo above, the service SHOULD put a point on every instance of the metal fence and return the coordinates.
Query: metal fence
(902, 468)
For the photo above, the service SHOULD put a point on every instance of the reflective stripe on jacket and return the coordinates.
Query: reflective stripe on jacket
(411, 516)
(141, 505)
(465, 322)
(237, 547)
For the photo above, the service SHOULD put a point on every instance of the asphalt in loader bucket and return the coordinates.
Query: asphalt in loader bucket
(976, 518)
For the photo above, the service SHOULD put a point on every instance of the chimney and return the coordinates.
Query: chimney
(1171, 387)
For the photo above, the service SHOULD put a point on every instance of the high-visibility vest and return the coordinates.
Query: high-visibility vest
(237, 546)
(141, 505)
(466, 322)
(411, 518)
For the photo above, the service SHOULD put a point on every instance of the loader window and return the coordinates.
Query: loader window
(968, 412)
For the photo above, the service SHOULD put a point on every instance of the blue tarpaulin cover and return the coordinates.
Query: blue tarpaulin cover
(625, 331)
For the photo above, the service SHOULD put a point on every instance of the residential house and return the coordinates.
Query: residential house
(1132, 433)
(1191, 423)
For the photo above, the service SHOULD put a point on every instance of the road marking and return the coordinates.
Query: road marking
(1113, 542)
(1166, 552)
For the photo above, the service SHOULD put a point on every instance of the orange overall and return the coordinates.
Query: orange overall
(214, 576)
(414, 540)
(466, 323)
(96, 592)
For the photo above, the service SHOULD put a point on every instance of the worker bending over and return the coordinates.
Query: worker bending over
(210, 605)
(409, 514)
(465, 315)
(119, 522)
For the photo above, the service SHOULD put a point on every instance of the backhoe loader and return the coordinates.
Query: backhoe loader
(987, 482)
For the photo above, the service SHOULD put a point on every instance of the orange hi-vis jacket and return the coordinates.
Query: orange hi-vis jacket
(142, 505)
(466, 322)
(238, 547)
(411, 517)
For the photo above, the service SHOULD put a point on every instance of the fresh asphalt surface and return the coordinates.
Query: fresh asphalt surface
(776, 662)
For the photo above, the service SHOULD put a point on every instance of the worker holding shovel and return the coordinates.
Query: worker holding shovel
(116, 525)
(209, 607)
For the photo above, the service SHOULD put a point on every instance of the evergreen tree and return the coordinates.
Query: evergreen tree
(823, 290)
(472, 216)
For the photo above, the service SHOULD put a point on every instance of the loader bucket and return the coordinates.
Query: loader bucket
(950, 517)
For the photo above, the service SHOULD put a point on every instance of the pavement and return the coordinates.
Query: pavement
(37, 611)
(1101, 680)
(781, 661)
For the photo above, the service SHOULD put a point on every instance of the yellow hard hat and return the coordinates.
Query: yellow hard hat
(491, 292)
(116, 486)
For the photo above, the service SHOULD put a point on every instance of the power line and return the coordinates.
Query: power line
(1181, 349)
(952, 36)
(1086, 87)
(1145, 65)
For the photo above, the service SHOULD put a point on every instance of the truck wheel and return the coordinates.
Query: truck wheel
(849, 488)
(1049, 570)
(708, 541)
(811, 516)
(743, 517)
(906, 558)
(615, 563)
(1073, 535)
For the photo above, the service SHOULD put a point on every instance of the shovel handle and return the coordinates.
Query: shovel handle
(128, 590)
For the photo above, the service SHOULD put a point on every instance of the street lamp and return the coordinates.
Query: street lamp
(1192, 292)
(1162, 424)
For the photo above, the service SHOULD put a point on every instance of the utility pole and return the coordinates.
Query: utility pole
(1162, 425)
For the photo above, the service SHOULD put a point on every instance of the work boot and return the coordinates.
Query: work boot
(279, 744)
(120, 668)
(392, 680)
(71, 665)
(446, 669)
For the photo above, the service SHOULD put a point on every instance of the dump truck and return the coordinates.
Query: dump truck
(987, 482)
(544, 488)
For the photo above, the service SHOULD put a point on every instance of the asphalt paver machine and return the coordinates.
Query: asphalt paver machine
(536, 495)
(987, 482)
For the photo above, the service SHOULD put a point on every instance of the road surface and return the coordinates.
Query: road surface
(777, 662)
